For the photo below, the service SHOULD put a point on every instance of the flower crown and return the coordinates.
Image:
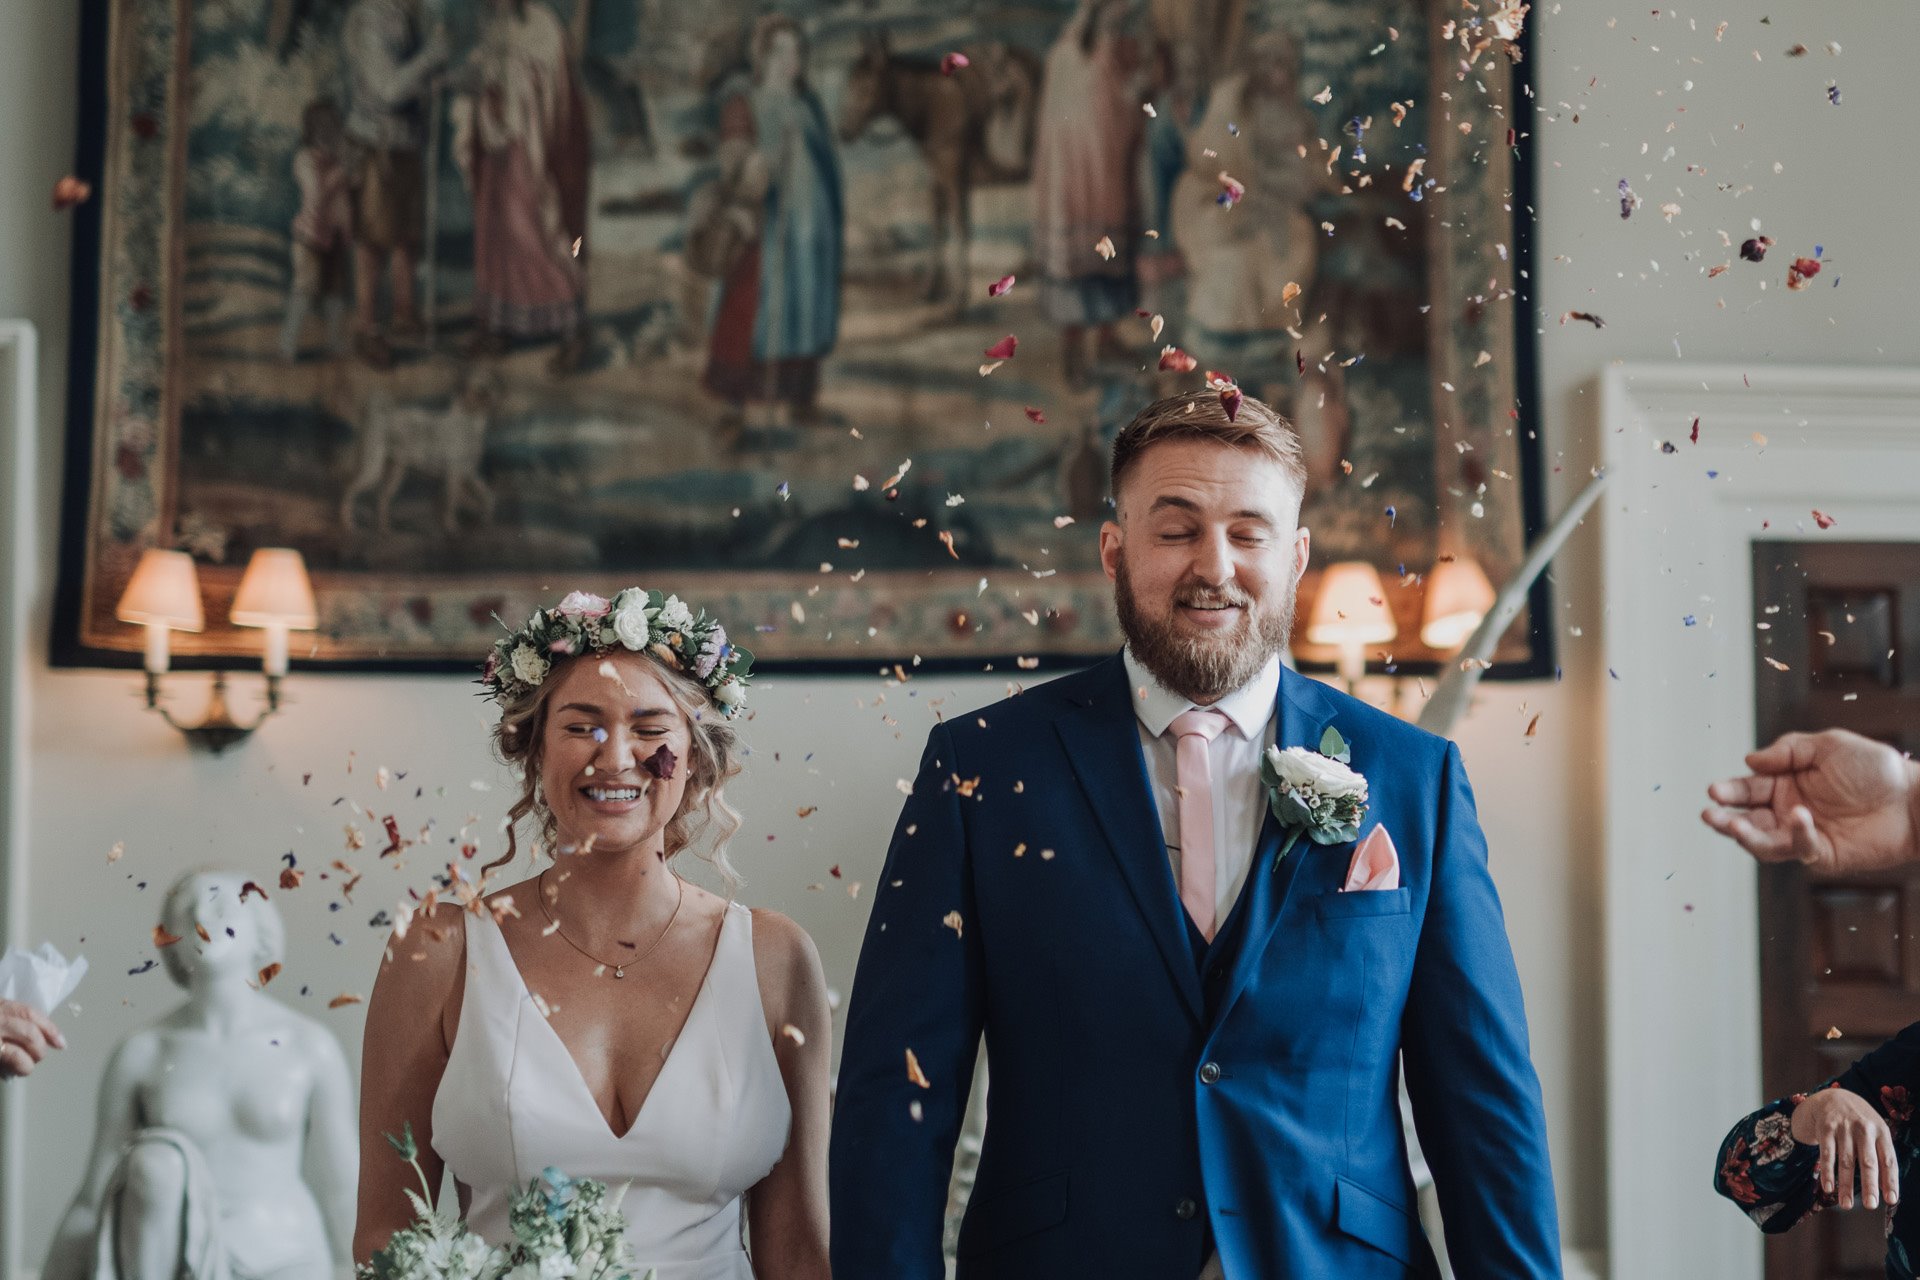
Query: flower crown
(635, 619)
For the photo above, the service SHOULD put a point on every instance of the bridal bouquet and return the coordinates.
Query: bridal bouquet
(438, 1246)
(568, 1230)
(562, 1230)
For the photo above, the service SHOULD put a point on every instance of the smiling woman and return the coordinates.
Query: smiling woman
(491, 1032)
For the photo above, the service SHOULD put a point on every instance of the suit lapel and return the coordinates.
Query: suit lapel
(1102, 743)
(1304, 715)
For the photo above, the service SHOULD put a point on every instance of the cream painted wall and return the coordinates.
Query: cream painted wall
(102, 771)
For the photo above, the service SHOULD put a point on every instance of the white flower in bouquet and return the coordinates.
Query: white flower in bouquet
(435, 1246)
(568, 1230)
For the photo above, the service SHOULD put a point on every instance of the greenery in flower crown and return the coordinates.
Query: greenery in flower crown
(636, 619)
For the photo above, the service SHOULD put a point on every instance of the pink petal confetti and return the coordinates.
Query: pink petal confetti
(1174, 360)
(1802, 270)
(1822, 519)
(68, 192)
(1693, 437)
(1003, 349)
(1106, 249)
(952, 62)
(1036, 414)
(1000, 286)
(1232, 190)
(661, 763)
(1755, 250)
(1230, 401)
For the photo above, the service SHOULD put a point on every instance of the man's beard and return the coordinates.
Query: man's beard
(1204, 667)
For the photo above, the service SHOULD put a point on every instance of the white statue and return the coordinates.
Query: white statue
(207, 1117)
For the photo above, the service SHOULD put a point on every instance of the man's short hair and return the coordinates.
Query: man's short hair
(1199, 415)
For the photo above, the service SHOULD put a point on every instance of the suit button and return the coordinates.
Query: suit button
(1210, 1074)
(1185, 1210)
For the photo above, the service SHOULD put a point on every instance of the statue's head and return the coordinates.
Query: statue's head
(225, 926)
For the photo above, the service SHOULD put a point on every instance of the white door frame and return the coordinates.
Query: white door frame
(1681, 934)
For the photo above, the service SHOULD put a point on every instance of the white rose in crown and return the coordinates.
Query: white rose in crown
(1316, 794)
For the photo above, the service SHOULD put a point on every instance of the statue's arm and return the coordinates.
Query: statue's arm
(117, 1118)
(333, 1144)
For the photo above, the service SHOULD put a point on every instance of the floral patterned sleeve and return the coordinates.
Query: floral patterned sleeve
(1771, 1176)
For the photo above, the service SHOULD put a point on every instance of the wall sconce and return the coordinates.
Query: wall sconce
(164, 595)
(1458, 597)
(1350, 613)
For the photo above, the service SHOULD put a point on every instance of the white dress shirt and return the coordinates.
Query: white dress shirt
(1233, 758)
(1239, 805)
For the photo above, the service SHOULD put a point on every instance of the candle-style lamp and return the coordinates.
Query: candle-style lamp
(1350, 613)
(276, 595)
(1458, 597)
(164, 595)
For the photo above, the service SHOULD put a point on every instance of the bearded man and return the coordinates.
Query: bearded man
(1201, 908)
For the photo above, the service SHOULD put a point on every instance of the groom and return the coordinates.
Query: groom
(1194, 1030)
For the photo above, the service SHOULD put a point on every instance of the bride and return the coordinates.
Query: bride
(606, 1017)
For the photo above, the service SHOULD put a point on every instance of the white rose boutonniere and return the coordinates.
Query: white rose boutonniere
(1317, 794)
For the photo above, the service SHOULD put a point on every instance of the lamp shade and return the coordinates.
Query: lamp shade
(1458, 597)
(275, 590)
(1351, 607)
(165, 589)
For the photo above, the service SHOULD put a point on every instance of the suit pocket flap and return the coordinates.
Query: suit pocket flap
(1366, 902)
(1014, 1213)
(1376, 1221)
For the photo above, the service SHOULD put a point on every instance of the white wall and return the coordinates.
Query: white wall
(103, 771)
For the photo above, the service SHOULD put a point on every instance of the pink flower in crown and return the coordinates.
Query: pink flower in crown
(710, 652)
(563, 646)
(584, 604)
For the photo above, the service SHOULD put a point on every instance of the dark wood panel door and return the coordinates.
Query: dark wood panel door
(1839, 957)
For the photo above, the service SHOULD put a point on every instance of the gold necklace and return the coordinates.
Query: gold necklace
(619, 970)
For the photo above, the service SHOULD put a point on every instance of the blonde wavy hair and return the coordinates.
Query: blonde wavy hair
(713, 760)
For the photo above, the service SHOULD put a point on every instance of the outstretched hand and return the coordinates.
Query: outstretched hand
(1833, 800)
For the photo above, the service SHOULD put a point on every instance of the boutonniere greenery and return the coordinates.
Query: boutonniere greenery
(1316, 794)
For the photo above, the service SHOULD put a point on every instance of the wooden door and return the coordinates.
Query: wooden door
(1839, 957)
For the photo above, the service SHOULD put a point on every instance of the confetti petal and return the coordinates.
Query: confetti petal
(1036, 414)
(1174, 360)
(70, 191)
(1003, 349)
(999, 287)
(952, 62)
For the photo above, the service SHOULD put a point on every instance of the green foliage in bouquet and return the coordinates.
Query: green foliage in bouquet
(562, 1230)
(437, 1246)
(568, 1230)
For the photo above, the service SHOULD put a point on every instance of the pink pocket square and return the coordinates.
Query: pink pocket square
(1376, 865)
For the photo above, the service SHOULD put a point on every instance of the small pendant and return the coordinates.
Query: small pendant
(619, 973)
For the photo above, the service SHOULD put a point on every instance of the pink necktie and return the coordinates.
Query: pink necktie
(1194, 776)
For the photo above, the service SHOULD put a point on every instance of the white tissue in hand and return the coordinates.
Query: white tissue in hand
(42, 978)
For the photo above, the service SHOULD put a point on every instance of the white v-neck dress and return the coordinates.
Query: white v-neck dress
(512, 1102)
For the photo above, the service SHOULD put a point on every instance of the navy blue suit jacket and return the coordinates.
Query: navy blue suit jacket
(1028, 897)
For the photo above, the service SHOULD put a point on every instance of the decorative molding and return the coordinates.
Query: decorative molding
(19, 418)
(1680, 927)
